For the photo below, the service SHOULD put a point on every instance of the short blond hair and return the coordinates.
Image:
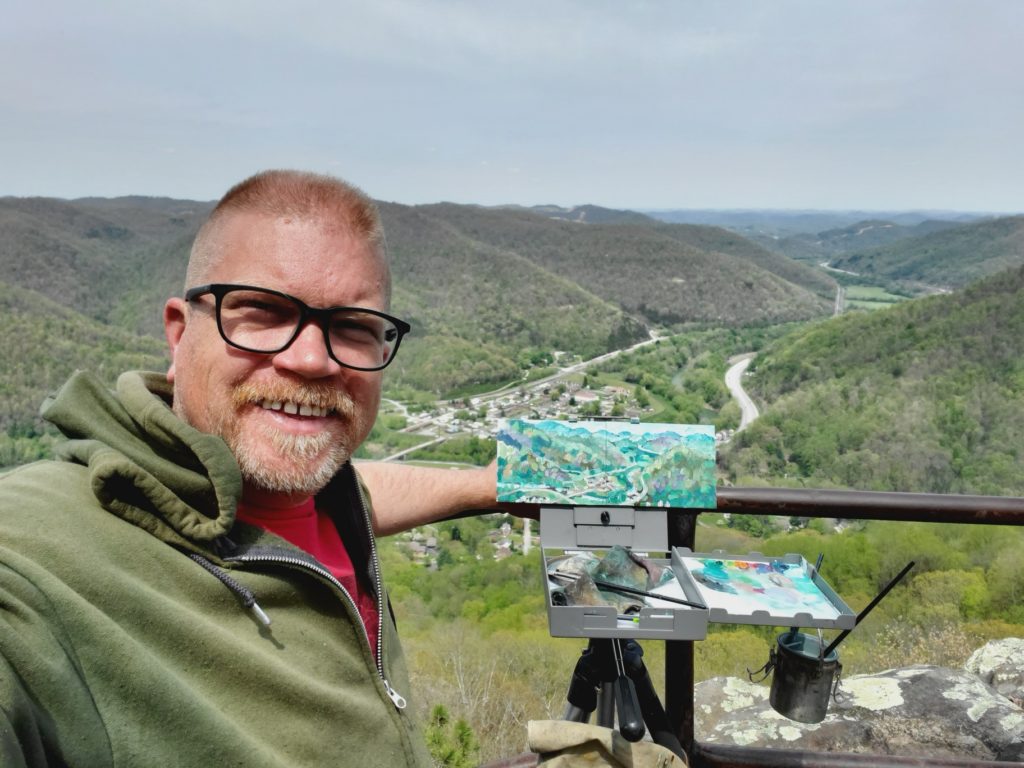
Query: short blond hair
(298, 194)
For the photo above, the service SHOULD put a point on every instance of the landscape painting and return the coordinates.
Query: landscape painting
(598, 463)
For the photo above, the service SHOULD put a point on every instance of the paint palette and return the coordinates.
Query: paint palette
(771, 591)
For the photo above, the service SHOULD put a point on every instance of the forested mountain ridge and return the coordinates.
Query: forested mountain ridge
(657, 275)
(827, 245)
(112, 260)
(478, 310)
(42, 343)
(950, 258)
(925, 396)
(484, 288)
(716, 239)
(587, 214)
(782, 223)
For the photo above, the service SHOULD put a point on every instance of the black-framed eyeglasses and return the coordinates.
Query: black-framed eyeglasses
(260, 320)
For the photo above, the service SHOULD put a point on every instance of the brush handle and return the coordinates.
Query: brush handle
(643, 593)
(867, 609)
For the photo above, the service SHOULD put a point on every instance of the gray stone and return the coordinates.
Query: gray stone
(1000, 663)
(920, 711)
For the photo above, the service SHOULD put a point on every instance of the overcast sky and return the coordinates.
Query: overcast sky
(870, 105)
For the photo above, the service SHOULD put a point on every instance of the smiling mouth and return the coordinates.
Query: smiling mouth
(295, 409)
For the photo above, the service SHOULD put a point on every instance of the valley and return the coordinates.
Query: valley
(870, 380)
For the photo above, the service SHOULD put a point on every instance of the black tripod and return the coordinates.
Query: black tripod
(610, 676)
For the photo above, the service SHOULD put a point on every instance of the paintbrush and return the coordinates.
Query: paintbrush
(644, 593)
(860, 616)
(609, 586)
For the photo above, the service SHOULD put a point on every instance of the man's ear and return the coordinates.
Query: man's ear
(175, 319)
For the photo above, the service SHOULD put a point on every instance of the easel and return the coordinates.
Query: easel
(612, 654)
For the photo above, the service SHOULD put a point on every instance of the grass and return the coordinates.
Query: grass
(872, 293)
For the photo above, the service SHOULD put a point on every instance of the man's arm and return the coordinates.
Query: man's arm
(406, 496)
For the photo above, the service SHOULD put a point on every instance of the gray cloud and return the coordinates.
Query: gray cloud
(681, 104)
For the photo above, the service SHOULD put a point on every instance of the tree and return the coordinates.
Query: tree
(640, 395)
(755, 525)
(452, 745)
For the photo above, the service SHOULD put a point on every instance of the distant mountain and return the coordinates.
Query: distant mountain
(824, 246)
(649, 269)
(718, 239)
(948, 257)
(591, 214)
(476, 308)
(488, 290)
(112, 260)
(784, 223)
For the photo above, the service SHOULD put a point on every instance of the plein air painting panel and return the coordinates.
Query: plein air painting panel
(600, 463)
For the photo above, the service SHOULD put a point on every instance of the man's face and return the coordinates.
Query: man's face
(246, 398)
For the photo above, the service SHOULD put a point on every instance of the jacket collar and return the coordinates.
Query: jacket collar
(145, 464)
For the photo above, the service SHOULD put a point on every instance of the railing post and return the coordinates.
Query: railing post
(679, 653)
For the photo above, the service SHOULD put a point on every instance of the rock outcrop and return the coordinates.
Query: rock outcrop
(920, 711)
(1001, 665)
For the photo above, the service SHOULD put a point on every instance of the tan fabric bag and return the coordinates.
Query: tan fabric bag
(565, 744)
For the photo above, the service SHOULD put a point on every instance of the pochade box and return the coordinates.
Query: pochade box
(597, 563)
(783, 590)
(604, 488)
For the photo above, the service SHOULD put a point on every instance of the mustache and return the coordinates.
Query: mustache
(312, 394)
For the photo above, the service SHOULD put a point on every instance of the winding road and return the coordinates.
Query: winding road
(733, 380)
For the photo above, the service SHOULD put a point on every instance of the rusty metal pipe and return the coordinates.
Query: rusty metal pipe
(873, 505)
(722, 756)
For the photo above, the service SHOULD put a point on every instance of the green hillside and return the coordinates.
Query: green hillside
(41, 344)
(716, 239)
(925, 396)
(949, 258)
(112, 260)
(479, 312)
(642, 268)
(489, 292)
(825, 246)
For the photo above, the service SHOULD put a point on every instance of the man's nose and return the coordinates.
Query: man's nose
(307, 355)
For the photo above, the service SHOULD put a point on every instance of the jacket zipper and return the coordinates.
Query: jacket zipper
(396, 698)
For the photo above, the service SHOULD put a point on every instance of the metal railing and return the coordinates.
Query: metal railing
(807, 502)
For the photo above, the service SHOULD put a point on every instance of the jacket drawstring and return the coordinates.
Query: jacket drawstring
(244, 594)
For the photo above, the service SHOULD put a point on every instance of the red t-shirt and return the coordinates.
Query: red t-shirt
(313, 531)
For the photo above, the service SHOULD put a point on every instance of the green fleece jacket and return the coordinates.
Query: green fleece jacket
(128, 631)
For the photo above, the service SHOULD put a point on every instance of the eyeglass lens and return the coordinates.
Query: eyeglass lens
(266, 322)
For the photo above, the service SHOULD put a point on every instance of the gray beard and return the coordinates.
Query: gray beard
(306, 475)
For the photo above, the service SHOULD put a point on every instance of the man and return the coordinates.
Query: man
(195, 581)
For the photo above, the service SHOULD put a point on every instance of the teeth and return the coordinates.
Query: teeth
(294, 408)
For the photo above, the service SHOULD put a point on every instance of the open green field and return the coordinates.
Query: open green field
(871, 297)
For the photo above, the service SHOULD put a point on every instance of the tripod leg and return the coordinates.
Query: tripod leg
(655, 717)
(650, 706)
(606, 706)
(584, 684)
